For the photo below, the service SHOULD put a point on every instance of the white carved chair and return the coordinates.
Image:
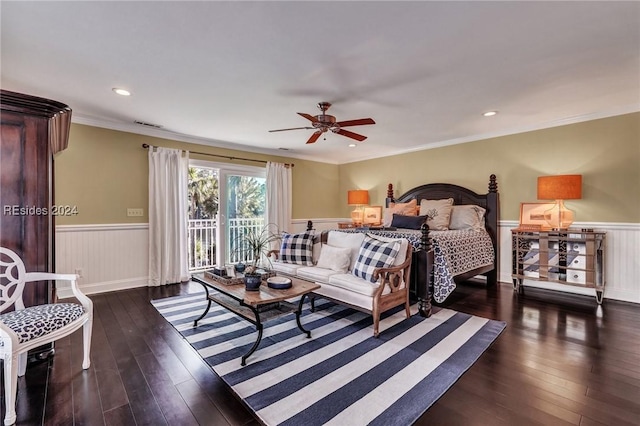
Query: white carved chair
(24, 329)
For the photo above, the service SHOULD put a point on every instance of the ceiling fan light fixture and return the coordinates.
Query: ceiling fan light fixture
(352, 145)
(490, 113)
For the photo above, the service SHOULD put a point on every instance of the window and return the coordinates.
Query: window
(224, 201)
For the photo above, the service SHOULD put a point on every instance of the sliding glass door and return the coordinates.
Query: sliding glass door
(225, 201)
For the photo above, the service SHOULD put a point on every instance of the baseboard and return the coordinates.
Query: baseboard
(64, 292)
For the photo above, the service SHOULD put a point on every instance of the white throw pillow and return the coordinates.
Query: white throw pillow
(352, 240)
(335, 258)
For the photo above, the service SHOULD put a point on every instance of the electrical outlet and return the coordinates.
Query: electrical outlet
(135, 212)
(78, 272)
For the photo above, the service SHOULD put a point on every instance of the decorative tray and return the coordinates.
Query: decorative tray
(279, 283)
(237, 278)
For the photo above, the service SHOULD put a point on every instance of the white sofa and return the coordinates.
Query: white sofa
(335, 256)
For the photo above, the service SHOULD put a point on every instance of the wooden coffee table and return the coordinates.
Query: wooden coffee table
(256, 307)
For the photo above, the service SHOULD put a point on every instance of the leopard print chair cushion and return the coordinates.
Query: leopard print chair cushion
(36, 321)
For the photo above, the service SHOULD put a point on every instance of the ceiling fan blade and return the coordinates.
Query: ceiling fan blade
(360, 122)
(308, 117)
(292, 128)
(314, 137)
(351, 135)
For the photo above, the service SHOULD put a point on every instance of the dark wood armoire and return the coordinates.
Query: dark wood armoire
(32, 129)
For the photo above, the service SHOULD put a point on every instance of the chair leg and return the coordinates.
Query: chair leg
(407, 308)
(10, 388)
(22, 364)
(86, 343)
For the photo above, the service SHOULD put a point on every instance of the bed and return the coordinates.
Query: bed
(432, 277)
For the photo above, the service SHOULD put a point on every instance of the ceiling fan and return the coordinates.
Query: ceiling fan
(323, 122)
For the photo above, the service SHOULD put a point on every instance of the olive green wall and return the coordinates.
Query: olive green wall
(104, 172)
(606, 152)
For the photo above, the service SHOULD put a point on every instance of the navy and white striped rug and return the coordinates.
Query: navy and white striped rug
(342, 375)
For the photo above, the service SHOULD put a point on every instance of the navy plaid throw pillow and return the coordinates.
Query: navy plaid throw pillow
(297, 248)
(374, 254)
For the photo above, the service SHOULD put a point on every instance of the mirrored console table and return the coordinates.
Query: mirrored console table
(571, 257)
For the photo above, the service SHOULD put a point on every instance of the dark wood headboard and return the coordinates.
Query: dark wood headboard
(437, 191)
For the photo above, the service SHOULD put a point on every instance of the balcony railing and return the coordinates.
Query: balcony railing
(202, 241)
(202, 244)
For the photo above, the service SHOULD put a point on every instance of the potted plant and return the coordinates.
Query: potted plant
(254, 245)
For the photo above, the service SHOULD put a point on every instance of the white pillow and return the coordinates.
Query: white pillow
(438, 213)
(467, 217)
(352, 240)
(335, 258)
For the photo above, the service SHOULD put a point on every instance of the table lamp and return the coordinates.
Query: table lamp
(358, 198)
(559, 188)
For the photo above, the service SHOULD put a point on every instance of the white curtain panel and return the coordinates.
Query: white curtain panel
(168, 180)
(279, 196)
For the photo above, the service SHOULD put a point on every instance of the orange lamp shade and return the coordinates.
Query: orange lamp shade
(357, 197)
(561, 187)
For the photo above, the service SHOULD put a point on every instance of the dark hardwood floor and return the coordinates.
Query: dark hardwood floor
(556, 363)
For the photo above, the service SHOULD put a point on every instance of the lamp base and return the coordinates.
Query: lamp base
(559, 217)
(357, 216)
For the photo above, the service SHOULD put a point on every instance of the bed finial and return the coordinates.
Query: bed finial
(425, 241)
(493, 185)
(390, 191)
(309, 225)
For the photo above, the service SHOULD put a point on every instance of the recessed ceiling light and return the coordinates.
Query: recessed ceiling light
(121, 92)
(490, 113)
(352, 145)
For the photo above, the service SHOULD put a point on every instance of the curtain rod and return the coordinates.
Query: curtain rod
(147, 146)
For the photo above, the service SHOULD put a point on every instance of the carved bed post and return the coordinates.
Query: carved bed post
(425, 265)
(309, 225)
(493, 228)
(389, 198)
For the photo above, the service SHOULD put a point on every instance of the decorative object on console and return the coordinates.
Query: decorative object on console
(372, 216)
(358, 198)
(532, 215)
(560, 188)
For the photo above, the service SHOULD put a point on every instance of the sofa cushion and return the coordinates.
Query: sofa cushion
(352, 240)
(297, 248)
(352, 283)
(286, 268)
(315, 274)
(373, 254)
(335, 258)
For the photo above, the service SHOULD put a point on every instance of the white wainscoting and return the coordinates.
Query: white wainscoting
(115, 257)
(622, 260)
(111, 257)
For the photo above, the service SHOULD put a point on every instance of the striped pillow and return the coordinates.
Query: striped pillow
(374, 254)
(297, 249)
